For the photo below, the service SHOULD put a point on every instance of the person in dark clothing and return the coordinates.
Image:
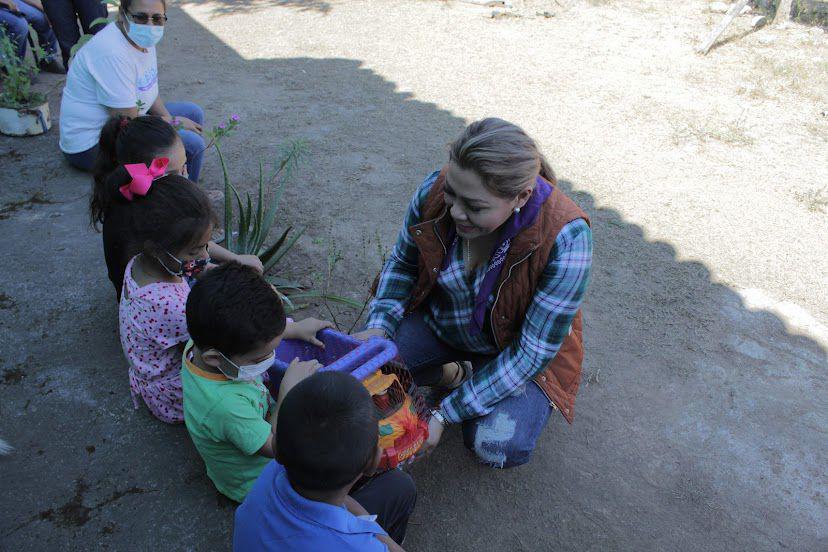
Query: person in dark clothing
(64, 15)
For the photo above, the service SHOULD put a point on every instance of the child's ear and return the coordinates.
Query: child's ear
(211, 358)
(373, 464)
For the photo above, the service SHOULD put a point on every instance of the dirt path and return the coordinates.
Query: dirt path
(701, 421)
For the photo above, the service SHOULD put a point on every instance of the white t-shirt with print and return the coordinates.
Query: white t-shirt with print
(106, 72)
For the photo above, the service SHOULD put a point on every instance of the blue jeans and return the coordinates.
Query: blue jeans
(193, 142)
(17, 27)
(503, 438)
(64, 15)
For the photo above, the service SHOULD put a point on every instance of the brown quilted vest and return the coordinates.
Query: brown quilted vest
(525, 261)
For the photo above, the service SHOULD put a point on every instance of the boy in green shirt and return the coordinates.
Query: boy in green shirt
(236, 321)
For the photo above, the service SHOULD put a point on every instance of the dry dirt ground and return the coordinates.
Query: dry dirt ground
(701, 423)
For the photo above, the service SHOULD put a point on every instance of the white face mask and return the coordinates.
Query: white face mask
(145, 36)
(247, 372)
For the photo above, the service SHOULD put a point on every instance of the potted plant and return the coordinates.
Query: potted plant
(22, 111)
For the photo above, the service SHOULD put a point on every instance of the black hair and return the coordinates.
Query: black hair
(173, 215)
(124, 141)
(326, 433)
(233, 309)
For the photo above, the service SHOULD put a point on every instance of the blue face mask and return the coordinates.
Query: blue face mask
(145, 36)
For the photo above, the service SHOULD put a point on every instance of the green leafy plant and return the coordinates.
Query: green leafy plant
(16, 77)
(84, 38)
(249, 219)
(323, 280)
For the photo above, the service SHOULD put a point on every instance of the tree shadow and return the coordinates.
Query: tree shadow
(229, 7)
(698, 425)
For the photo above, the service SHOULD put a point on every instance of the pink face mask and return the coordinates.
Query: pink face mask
(190, 268)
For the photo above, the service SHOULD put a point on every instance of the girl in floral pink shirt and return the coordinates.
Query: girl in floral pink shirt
(173, 221)
(153, 332)
(127, 141)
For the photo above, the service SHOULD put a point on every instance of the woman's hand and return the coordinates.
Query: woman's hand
(183, 123)
(307, 329)
(252, 261)
(435, 432)
(296, 372)
(364, 335)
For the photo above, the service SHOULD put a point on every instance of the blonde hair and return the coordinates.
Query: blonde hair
(502, 154)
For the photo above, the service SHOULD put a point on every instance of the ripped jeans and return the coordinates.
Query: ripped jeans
(503, 438)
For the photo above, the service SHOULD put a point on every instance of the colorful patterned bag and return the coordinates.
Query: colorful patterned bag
(403, 425)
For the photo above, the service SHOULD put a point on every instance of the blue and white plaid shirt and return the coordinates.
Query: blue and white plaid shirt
(558, 297)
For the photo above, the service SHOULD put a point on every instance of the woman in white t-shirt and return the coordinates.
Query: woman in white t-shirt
(116, 73)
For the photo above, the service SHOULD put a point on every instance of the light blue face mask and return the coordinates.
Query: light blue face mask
(145, 36)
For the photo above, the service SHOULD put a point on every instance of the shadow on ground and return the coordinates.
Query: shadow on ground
(229, 7)
(698, 425)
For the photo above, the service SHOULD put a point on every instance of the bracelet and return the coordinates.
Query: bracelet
(435, 413)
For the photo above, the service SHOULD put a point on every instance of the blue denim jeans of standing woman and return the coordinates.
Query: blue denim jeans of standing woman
(193, 142)
(503, 438)
(17, 28)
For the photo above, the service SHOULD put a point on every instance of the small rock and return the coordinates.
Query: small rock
(546, 14)
(718, 7)
(758, 21)
(746, 10)
(767, 39)
(817, 31)
(500, 14)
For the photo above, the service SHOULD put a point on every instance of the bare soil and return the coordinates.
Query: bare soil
(701, 420)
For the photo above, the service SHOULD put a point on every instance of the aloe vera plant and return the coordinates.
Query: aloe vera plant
(248, 219)
(256, 218)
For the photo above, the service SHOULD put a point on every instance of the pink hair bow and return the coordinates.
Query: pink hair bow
(143, 177)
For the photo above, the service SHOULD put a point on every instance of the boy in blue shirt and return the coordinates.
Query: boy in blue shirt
(326, 441)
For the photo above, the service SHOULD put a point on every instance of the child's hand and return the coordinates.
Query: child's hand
(252, 261)
(307, 329)
(296, 372)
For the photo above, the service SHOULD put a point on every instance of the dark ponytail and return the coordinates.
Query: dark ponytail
(173, 215)
(124, 141)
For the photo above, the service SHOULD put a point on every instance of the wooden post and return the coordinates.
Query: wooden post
(723, 24)
(783, 12)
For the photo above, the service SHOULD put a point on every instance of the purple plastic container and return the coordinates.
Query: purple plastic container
(342, 353)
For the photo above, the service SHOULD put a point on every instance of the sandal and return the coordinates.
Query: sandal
(454, 374)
